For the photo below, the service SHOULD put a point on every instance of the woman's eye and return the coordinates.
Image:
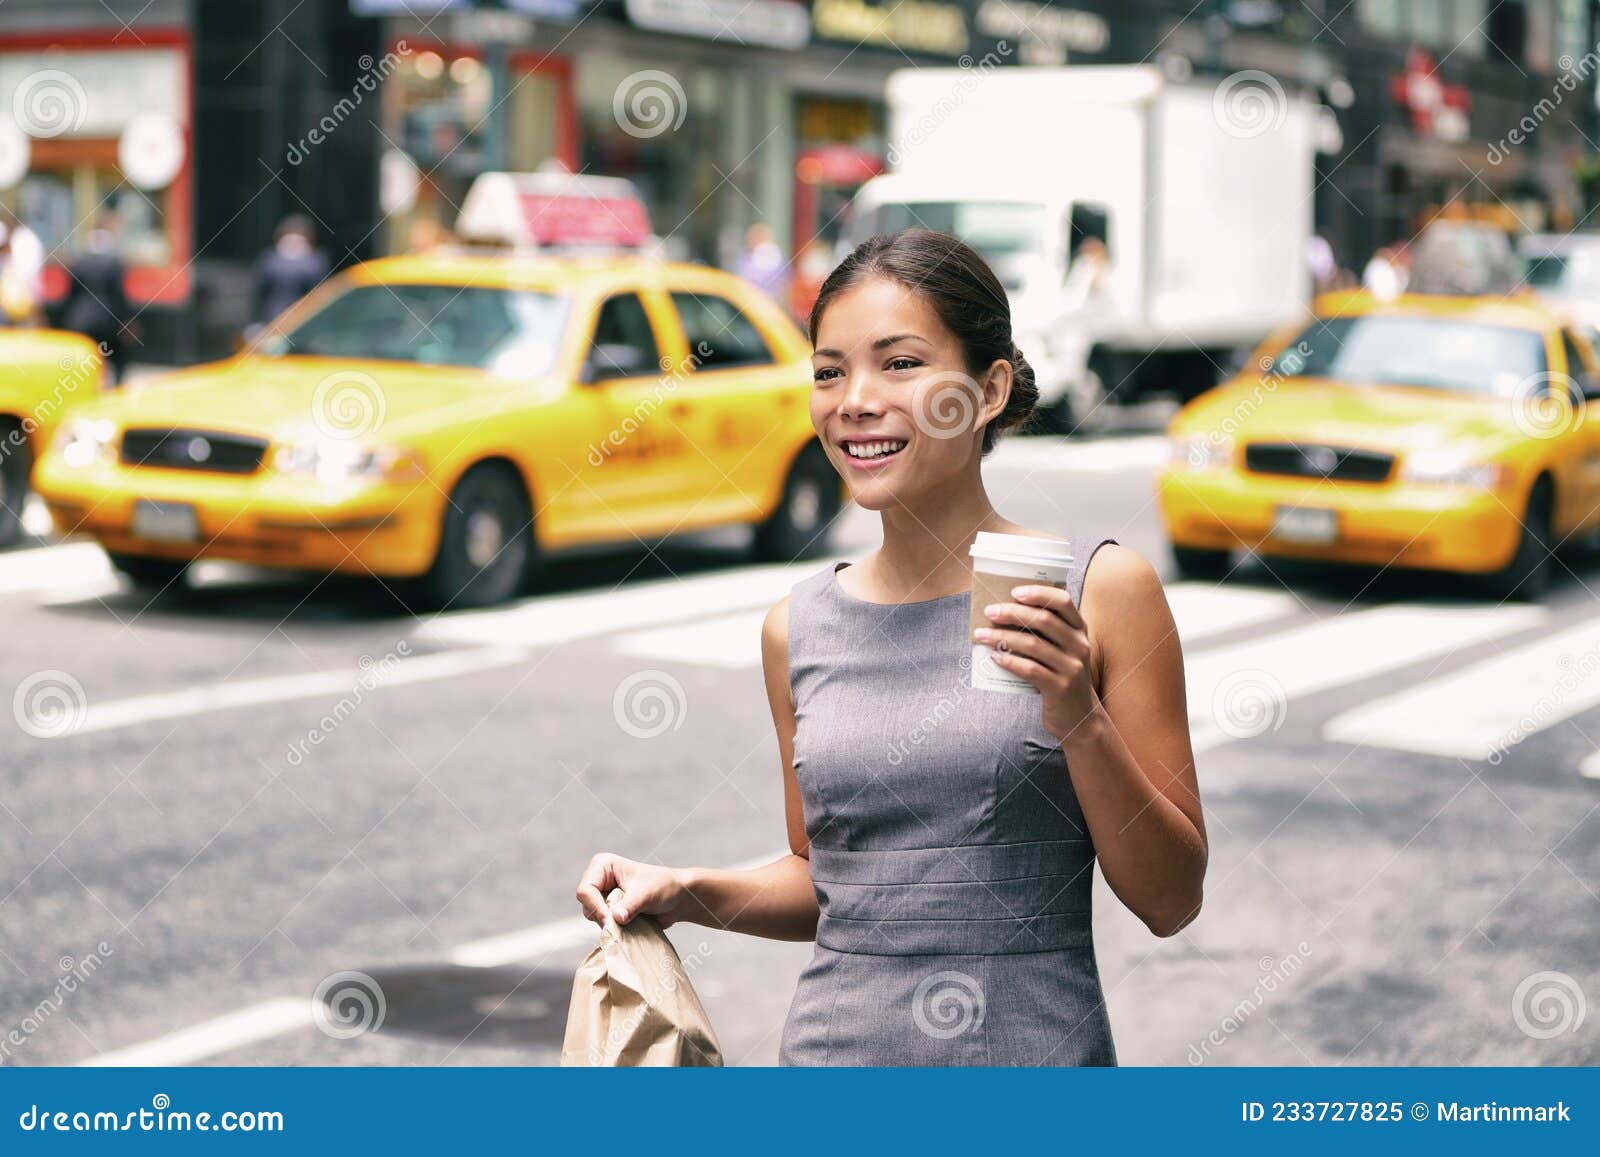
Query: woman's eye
(904, 363)
(826, 373)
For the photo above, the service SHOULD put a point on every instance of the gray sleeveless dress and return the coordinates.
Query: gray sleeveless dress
(949, 855)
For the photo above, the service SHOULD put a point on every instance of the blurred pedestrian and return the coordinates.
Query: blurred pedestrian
(428, 235)
(1323, 264)
(97, 303)
(292, 268)
(21, 272)
(761, 262)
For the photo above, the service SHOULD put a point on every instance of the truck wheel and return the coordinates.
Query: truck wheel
(1527, 577)
(1199, 564)
(15, 468)
(811, 499)
(486, 545)
(149, 574)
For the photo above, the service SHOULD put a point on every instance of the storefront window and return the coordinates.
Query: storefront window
(1453, 27)
(436, 106)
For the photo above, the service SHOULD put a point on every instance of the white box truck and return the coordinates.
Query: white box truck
(1144, 229)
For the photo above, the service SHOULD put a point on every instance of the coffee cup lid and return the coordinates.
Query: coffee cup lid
(990, 544)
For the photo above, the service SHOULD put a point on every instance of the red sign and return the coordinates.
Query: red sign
(566, 219)
(1437, 109)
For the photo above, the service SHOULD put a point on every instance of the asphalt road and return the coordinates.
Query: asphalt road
(213, 806)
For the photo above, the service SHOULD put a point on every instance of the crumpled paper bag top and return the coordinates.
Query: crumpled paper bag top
(633, 1005)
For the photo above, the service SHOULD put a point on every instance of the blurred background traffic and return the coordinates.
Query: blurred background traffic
(403, 429)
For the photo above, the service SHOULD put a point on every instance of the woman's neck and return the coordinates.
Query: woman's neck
(924, 552)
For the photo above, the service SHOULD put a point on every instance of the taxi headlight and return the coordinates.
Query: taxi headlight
(1449, 469)
(1199, 452)
(331, 460)
(85, 441)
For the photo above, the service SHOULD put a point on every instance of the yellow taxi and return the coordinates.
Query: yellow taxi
(46, 373)
(1458, 434)
(452, 419)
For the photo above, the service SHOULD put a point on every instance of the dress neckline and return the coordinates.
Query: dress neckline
(833, 581)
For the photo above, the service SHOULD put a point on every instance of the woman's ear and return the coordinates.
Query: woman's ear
(996, 389)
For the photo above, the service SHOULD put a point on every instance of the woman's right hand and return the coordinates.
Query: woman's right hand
(648, 888)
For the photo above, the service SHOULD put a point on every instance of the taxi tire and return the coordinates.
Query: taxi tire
(1199, 564)
(15, 469)
(149, 574)
(811, 500)
(454, 580)
(1527, 577)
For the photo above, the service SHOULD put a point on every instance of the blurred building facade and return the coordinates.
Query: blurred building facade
(207, 121)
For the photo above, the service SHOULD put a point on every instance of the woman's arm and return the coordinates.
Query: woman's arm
(775, 900)
(1125, 733)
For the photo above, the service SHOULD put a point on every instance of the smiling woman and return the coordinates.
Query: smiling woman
(942, 833)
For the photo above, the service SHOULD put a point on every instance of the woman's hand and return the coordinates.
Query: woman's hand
(1042, 638)
(648, 888)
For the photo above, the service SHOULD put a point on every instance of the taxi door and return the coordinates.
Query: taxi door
(1583, 370)
(638, 465)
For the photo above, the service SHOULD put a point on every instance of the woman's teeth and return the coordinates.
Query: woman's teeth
(872, 449)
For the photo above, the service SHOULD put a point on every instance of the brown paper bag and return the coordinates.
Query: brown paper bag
(632, 1004)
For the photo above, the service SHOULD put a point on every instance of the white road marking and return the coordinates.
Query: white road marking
(1202, 610)
(546, 621)
(724, 641)
(69, 564)
(1488, 707)
(1590, 767)
(35, 518)
(227, 696)
(222, 1034)
(287, 1014)
(1245, 689)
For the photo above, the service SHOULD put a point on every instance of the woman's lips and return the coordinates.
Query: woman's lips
(876, 463)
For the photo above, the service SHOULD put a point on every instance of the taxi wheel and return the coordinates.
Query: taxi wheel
(1527, 578)
(149, 574)
(15, 467)
(486, 543)
(811, 500)
(1197, 563)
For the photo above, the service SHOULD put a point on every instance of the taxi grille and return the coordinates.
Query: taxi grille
(1314, 460)
(182, 449)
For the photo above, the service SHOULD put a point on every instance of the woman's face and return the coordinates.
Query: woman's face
(892, 399)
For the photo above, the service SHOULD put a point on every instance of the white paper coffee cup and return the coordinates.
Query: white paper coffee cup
(999, 563)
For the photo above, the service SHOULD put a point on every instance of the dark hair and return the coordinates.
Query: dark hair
(965, 293)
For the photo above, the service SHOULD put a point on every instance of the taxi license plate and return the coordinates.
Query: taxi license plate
(165, 521)
(1304, 524)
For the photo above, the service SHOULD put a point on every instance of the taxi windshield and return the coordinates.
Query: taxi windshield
(1429, 352)
(507, 331)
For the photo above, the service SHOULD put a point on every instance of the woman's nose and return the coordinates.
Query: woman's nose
(860, 396)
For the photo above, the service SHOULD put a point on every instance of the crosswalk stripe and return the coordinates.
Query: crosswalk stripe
(69, 564)
(210, 1038)
(1097, 456)
(1240, 691)
(1203, 610)
(1590, 767)
(1483, 710)
(723, 641)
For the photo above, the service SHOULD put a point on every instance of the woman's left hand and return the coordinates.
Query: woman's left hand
(1042, 638)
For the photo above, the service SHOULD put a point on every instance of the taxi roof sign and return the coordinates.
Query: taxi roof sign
(562, 211)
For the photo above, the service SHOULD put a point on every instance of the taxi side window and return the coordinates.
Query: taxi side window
(719, 335)
(1579, 367)
(624, 344)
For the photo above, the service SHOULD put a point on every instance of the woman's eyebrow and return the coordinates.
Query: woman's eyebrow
(881, 343)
